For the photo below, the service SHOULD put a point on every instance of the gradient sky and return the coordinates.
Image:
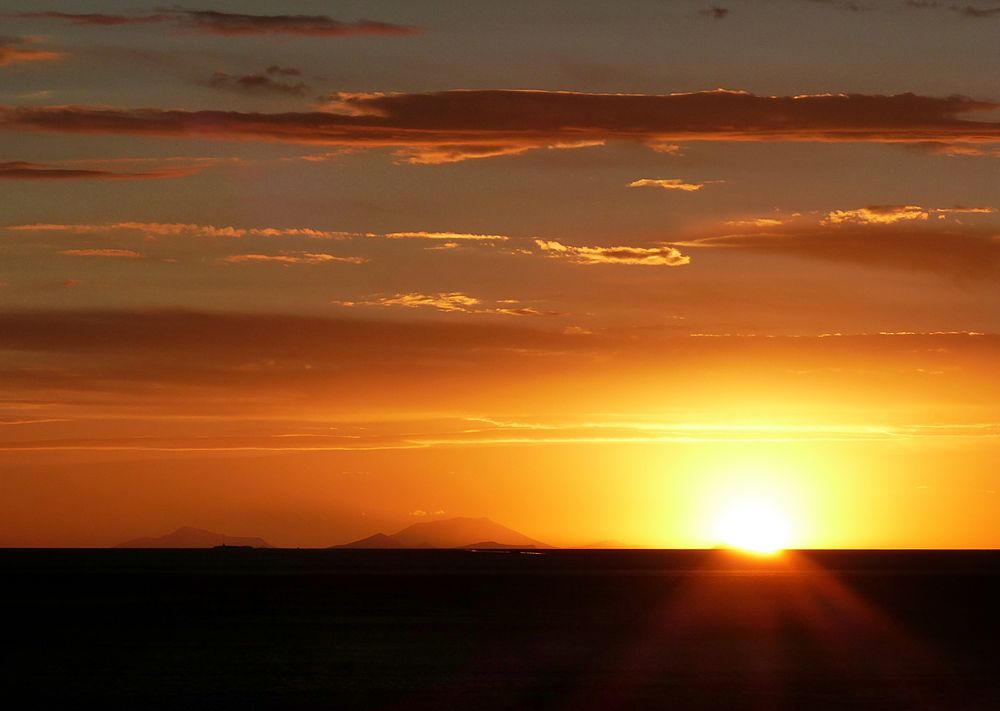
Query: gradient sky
(308, 271)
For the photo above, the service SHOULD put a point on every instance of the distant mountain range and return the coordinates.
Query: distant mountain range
(450, 533)
(188, 537)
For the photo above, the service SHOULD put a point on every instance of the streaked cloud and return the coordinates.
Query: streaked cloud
(642, 256)
(290, 258)
(270, 81)
(504, 119)
(111, 253)
(23, 170)
(670, 184)
(448, 236)
(230, 24)
(715, 13)
(758, 222)
(943, 247)
(172, 229)
(888, 214)
(449, 302)
(14, 51)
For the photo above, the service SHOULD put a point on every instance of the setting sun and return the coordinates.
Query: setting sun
(753, 525)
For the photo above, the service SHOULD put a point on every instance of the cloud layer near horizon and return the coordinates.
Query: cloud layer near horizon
(229, 23)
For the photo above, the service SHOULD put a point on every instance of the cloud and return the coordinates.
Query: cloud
(440, 155)
(941, 247)
(888, 214)
(448, 236)
(283, 71)
(669, 184)
(967, 10)
(758, 222)
(716, 13)
(112, 253)
(449, 302)
(257, 83)
(505, 121)
(93, 19)
(21, 170)
(11, 52)
(849, 5)
(229, 24)
(975, 12)
(289, 258)
(81, 363)
(442, 301)
(879, 214)
(173, 229)
(642, 256)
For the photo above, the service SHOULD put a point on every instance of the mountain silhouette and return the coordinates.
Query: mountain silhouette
(379, 540)
(188, 537)
(450, 533)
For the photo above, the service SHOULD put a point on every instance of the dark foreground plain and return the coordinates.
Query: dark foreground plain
(444, 629)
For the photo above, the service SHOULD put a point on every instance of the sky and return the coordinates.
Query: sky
(598, 271)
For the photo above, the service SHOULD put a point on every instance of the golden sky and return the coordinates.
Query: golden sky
(593, 270)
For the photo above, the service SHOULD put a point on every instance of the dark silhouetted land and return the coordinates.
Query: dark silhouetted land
(189, 537)
(462, 532)
(500, 629)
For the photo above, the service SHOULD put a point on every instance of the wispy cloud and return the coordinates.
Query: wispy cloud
(448, 236)
(111, 253)
(670, 184)
(889, 214)
(270, 81)
(13, 51)
(879, 214)
(230, 24)
(889, 237)
(449, 302)
(715, 13)
(290, 258)
(641, 256)
(22, 170)
(176, 229)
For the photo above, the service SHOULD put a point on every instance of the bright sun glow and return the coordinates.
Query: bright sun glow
(753, 525)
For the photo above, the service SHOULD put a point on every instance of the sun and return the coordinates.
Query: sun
(753, 525)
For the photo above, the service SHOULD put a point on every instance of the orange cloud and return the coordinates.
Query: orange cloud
(642, 256)
(21, 170)
(448, 236)
(758, 222)
(878, 214)
(170, 229)
(914, 244)
(888, 214)
(439, 155)
(504, 119)
(449, 302)
(288, 258)
(232, 24)
(20, 55)
(669, 184)
(114, 253)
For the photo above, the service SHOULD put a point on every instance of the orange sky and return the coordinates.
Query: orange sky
(308, 277)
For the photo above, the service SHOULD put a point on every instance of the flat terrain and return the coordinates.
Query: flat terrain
(441, 629)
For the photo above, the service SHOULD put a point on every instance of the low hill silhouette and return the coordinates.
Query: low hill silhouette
(189, 537)
(450, 533)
